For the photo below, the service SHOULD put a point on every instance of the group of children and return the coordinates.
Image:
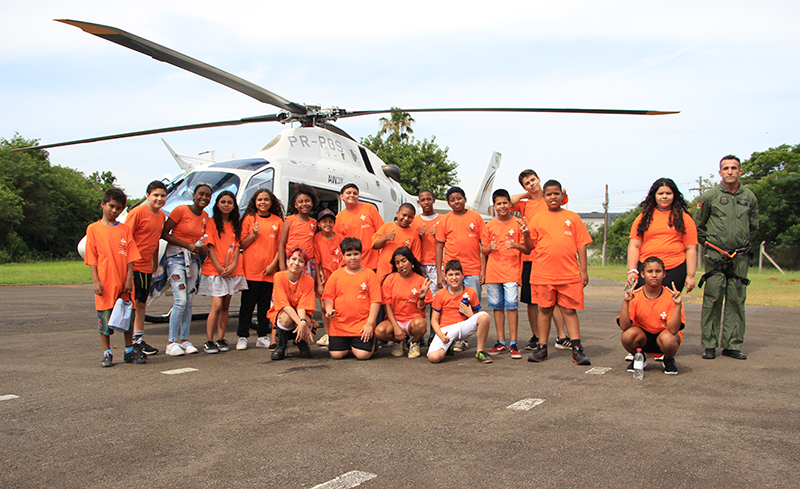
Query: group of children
(374, 280)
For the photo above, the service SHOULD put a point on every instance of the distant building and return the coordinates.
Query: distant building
(593, 220)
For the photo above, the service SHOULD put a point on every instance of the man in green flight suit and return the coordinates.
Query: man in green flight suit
(727, 220)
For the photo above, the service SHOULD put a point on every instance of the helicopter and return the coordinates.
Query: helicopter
(316, 153)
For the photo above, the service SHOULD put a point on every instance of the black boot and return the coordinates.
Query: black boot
(305, 351)
(282, 337)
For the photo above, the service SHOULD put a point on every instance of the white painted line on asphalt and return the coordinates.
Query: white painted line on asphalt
(598, 370)
(346, 481)
(525, 404)
(179, 371)
(8, 397)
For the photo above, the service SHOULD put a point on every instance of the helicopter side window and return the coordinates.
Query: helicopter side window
(265, 179)
(180, 193)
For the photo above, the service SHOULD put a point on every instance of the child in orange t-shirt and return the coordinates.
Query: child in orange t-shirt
(458, 237)
(351, 301)
(299, 228)
(426, 224)
(292, 305)
(222, 272)
(185, 234)
(503, 269)
(358, 220)
(146, 222)
(329, 259)
(110, 254)
(393, 235)
(652, 317)
(405, 293)
(456, 316)
(261, 231)
(560, 240)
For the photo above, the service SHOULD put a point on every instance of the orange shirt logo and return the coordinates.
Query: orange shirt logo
(568, 227)
(363, 294)
(123, 247)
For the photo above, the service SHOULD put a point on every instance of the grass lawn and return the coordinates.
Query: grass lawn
(771, 288)
(45, 273)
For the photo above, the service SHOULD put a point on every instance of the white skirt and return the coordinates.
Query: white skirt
(216, 286)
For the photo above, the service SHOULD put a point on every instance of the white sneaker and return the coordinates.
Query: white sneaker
(460, 345)
(241, 344)
(323, 342)
(413, 350)
(629, 357)
(262, 342)
(397, 349)
(187, 347)
(174, 350)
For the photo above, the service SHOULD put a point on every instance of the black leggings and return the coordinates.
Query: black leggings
(677, 275)
(257, 293)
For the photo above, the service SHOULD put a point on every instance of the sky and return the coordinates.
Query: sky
(730, 67)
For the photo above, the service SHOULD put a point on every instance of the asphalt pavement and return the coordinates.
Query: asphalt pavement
(237, 419)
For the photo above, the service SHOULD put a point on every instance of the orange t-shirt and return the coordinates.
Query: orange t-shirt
(110, 249)
(220, 245)
(461, 236)
(503, 265)
(653, 315)
(402, 237)
(352, 296)
(327, 253)
(296, 296)
(146, 228)
(263, 249)
(188, 226)
(446, 304)
(301, 234)
(361, 223)
(428, 240)
(664, 241)
(402, 294)
(557, 236)
(529, 208)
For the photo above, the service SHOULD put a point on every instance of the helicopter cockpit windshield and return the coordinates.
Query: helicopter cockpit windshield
(180, 191)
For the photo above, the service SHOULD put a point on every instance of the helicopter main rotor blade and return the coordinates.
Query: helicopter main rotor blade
(246, 120)
(162, 53)
(510, 109)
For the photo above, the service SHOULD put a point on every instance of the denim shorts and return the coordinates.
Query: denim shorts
(503, 296)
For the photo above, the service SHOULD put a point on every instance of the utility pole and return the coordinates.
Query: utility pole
(605, 226)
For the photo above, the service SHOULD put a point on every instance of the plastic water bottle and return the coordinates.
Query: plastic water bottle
(228, 256)
(465, 300)
(201, 240)
(638, 365)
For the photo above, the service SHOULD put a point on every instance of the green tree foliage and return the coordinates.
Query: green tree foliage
(423, 164)
(44, 209)
(398, 126)
(776, 173)
(618, 232)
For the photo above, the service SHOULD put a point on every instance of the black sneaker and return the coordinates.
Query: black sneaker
(578, 356)
(564, 343)
(139, 356)
(222, 345)
(450, 353)
(129, 357)
(533, 344)
(482, 357)
(644, 366)
(210, 347)
(108, 360)
(539, 354)
(305, 351)
(147, 349)
(669, 366)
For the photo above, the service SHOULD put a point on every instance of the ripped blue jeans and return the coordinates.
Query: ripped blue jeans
(183, 280)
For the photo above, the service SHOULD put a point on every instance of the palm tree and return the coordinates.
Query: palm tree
(398, 127)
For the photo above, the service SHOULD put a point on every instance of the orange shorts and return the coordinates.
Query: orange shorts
(566, 295)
